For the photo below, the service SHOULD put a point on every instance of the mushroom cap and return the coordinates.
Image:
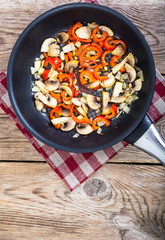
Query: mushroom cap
(118, 51)
(138, 84)
(84, 128)
(131, 72)
(54, 50)
(52, 85)
(131, 59)
(117, 89)
(46, 99)
(62, 37)
(92, 102)
(119, 99)
(108, 82)
(45, 45)
(83, 32)
(71, 65)
(92, 85)
(67, 123)
(107, 29)
(39, 105)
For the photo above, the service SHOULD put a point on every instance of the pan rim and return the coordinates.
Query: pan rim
(10, 69)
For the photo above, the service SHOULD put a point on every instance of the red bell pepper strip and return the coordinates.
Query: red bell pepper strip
(87, 59)
(57, 96)
(113, 113)
(85, 119)
(111, 44)
(87, 53)
(97, 73)
(65, 97)
(99, 36)
(86, 76)
(103, 56)
(70, 34)
(97, 45)
(66, 58)
(76, 93)
(113, 63)
(99, 118)
(81, 48)
(70, 55)
(45, 54)
(73, 30)
(45, 74)
(56, 62)
(64, 77)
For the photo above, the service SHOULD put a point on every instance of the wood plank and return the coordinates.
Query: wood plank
(147, 15)
(123, 201)
(15, 147)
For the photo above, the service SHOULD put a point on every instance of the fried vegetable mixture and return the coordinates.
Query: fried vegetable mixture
(84, 78)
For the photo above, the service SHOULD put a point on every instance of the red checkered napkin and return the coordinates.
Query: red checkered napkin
(74, 168)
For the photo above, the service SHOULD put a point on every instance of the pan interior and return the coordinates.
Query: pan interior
(27, 48)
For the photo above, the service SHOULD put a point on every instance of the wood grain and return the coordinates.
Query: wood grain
(124, 200)
(148, 16)
(128, 203)
(15, 147)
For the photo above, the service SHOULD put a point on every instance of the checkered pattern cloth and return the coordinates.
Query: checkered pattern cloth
(75, 168)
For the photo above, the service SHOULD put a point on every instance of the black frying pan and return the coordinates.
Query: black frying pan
(19, 79)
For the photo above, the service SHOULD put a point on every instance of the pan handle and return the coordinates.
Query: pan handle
(147, 138)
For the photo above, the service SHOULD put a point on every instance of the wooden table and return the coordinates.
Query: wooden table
(125, 199)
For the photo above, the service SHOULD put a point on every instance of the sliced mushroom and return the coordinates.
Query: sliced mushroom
(62, 37)
(65, 112)
(84, 128)
(67, 89)
(77, 101)
(67, 102)
(41, 86)
(84, 106)
(117, 89)
(46, 99)
(119, 99)
(45, 45)
(93, 25)
(131, 72)
(93, 102)
(81, 111)
(118, 66)
(83, 32)
(71, 65)
(52, 85)
(131, 59)
(54, 50)
(68, 48)
(108, 82)
(138, 85)
(107, 29)
(39, 105)
(67, 123)
(118, 51)
(92, 85)
(106, 100)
